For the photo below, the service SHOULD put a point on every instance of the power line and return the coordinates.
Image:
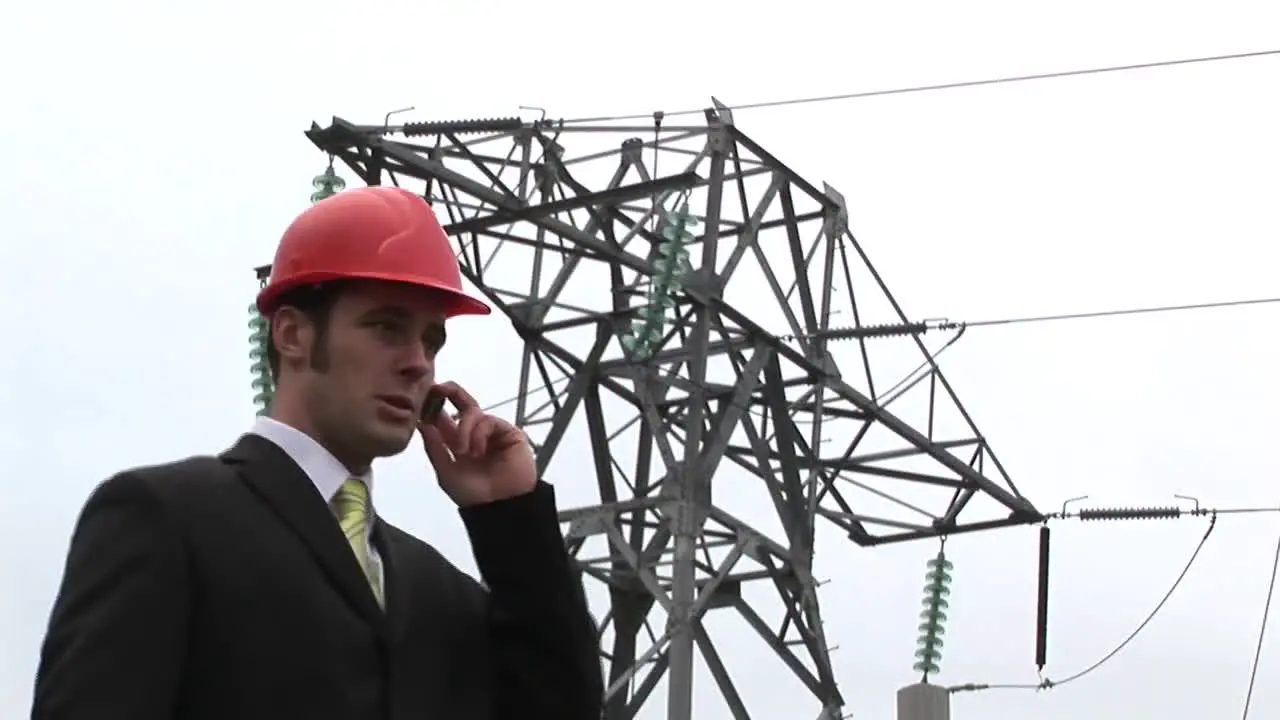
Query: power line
(549, 389)
(1262, 633)
(944, 324)
(1047, 684)
(947, 325)
(1152, 513)
(940, 86)
(920, 327)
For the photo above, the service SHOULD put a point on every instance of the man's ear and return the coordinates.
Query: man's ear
(292, 332)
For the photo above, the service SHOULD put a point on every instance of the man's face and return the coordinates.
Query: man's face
(379, 350)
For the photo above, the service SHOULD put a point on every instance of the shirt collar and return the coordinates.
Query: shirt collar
(326, 473)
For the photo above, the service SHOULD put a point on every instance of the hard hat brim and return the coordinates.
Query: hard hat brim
(455, 303)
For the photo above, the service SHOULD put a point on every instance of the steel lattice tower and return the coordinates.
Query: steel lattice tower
(663, 349)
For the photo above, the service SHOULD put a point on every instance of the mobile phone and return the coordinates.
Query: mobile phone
(432, 406)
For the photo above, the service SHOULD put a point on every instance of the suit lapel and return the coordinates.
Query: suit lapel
(396, 576)
(415, 592)
(274, 477)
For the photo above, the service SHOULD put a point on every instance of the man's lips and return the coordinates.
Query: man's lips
(398, 402)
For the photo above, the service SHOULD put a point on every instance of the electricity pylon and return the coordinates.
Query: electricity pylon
(682, 297)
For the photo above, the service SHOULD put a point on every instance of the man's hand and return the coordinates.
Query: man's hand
(478, 458)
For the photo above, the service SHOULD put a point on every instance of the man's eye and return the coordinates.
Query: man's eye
(433, 341)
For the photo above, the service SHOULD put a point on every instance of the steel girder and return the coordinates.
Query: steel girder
(558, 225)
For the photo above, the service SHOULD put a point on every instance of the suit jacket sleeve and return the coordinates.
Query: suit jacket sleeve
(116, 638)
(542, 639)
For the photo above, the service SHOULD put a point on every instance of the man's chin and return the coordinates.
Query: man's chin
(390, 441)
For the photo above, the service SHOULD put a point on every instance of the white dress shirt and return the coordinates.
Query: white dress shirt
(326, 473)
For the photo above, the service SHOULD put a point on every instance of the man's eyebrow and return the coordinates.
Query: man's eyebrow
(434, 334)
(388, 311)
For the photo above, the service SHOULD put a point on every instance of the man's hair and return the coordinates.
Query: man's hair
(316, 302)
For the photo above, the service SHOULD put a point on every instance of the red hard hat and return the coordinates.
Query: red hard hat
(369, 233)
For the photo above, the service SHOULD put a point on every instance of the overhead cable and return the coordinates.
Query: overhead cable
(1047, 684)
(923, 326)
(1262, 633)
(1115, 313)
(935, 87)
(945, 324)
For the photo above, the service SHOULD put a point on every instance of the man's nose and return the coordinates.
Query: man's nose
(417, 363)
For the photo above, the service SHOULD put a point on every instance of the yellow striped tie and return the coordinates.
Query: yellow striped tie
(351, 505)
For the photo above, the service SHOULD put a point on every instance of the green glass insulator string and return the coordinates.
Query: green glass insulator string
(263, 388)
(326, 184)
(671, 265)
(933, 617)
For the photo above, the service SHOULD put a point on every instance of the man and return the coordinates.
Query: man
(261, 585)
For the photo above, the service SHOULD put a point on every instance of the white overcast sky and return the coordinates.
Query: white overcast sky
(152, 152)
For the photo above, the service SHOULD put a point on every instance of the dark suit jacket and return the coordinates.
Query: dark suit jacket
(223, 589)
